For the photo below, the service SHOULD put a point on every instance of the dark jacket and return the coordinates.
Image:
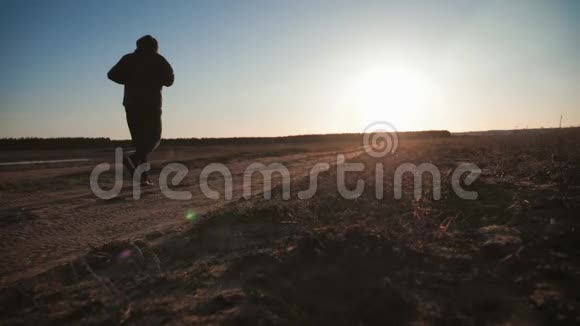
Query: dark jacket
(143, 72)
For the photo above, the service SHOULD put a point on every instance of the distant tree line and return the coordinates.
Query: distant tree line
(54, 143)
(102, 142)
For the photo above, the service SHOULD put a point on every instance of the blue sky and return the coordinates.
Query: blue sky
(266, 68)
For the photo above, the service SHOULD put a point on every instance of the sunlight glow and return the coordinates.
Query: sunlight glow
(396, 94)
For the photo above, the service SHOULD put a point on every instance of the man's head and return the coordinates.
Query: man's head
(147, 43)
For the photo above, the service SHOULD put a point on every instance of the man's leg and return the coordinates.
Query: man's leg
(137, 120)
(151, 132)
(135, 128)
(150, 137)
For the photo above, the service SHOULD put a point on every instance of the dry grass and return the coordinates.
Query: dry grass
(510, 257)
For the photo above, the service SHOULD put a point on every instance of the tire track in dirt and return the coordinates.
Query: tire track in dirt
(70, 222)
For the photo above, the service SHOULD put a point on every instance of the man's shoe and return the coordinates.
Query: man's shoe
(145, 182)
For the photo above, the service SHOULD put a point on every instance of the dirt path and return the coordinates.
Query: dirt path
(59, 218)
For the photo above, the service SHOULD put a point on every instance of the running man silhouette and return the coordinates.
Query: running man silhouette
(143, 73)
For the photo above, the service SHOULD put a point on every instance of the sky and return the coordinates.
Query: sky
(273, 68)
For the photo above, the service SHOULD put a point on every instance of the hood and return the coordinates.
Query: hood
(147, 44)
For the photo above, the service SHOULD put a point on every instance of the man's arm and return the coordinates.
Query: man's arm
(167, 76)
(118, 73)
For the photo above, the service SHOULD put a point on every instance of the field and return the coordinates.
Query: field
(512, 256)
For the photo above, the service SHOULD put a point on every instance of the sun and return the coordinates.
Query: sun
(395, 94)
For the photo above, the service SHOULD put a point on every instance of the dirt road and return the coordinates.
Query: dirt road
(49, 215)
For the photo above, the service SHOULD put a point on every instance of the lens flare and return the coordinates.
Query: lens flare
(124, 254)
(190, 215)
